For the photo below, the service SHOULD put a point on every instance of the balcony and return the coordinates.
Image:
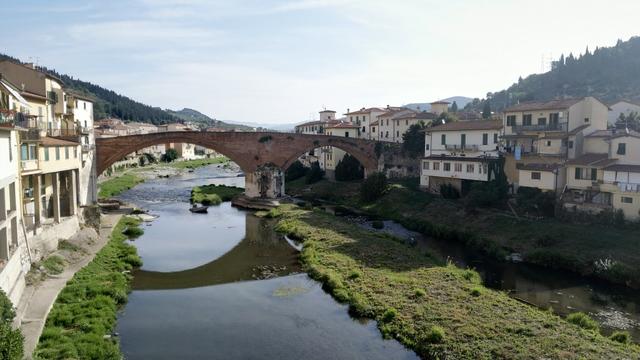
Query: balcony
(461, 147)
(84, 130)
(541, 127)
(88, 147)
(7, 116)
(29, 165)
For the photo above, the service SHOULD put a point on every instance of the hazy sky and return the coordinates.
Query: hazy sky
(282, 61)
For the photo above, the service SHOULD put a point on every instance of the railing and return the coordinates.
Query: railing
(29, 165)
(84, 130)
(7, 116)
(545, 127)
(63, 132)
(462, 147)
(88, 147)
(628, 187)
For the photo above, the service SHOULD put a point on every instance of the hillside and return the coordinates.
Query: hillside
(609, 74)
(195, 116)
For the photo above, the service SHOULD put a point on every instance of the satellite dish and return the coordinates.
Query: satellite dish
(626, 130)
(443, 122)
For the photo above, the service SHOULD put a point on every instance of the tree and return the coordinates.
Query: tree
(486, 109)
(314, 174)
(413, 140)
(169, 155)
(630, 121)
(373, 187)
(11, 341)
(349, 169)
(295, 171)
(454, 107)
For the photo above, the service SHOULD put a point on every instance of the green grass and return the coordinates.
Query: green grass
(194, 164)
(214, 194)
(85, 310)
(550, 242)
(54, 264)
(117, 185)
(430, 307)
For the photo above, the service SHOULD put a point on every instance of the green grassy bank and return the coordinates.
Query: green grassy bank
(439, 311)
(214, 194)
(549, 242)
(84, 314)
(194, 164)
(117, 185)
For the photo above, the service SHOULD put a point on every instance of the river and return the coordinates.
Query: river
(223, 285)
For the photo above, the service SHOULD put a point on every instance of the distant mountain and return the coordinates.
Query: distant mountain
(195, 116)
(275, 127)
(609, 73)
(461, 101)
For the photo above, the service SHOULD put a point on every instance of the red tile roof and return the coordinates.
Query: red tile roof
(50, 141)
(543, 105)
(469, 125)
(623, 168)
(592, 159)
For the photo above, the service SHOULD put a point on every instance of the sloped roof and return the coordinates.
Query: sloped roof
(538, 167)
(365, 111)
(468, 125)
(343, 125)
(592, 159)
(50, 141)
(624, 168)
(543, 105)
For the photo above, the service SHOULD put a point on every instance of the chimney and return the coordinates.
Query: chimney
(348, 111)
(387, 107)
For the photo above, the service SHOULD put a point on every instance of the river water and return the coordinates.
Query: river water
(222, 285)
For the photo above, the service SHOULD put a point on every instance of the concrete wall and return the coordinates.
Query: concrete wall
(621, 107)
(632, 155)
(631, 210)
(548, 180)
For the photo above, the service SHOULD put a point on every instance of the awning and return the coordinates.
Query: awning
(15, 94)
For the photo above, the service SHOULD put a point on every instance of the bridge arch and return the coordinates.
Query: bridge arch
(257, 153)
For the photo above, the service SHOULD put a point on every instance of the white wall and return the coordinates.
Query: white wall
(621, 107)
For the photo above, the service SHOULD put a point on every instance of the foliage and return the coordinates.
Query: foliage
(11, 340)
(169, 155)
(54, 264)
(448, 191)
(414, 141)
(349, 169)
(151, 159)
(583, 320)
(115, 186)
(454, 107)
(295, 171)
(377, 224)
(630, 121)
(536, 202)
(622, 337)
(386, 291)
(314, 174)
(197, 163)
(373, 187)
(264, 139)
(133, 232)
(214, 194)
(85, 310)
(486, 109)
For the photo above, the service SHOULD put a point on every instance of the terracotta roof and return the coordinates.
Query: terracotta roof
(440, 102)
(394, 113)
(592, 159)
(343, 125)
(50, 141)
(32, 95)
(315, 122)
(543, 105)
(624, 168)
(324, 111)
(538, 167)
(424, 115)
(365, 111)
(468, 125)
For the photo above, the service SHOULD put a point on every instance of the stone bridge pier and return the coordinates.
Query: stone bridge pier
(262, 156)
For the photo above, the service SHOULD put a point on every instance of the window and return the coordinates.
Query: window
(443, 139)
(511, 120)
(398, 134)
(85, 105)
(406, 122)
(66, 152)
(471, 168)
(586, 120)
(426, 146)
(457, 167)
(363, 129)
(622, 149)
(46, 154)
(463, 140)
(535, 175)
(351, 118)
(425, 165)
(570, 144)
(346, 134)
(373, 129)
(387, 122)
(436, 166)
(57, 152)
(578, 173)
(495, 138)
(627, 200)
(594, 174)
(548, 143)
(75, 152)
(24, 152)
(542, 121)
(386, 134)
(485, 139)
(526, 120)
(554, 118)
(447, 167)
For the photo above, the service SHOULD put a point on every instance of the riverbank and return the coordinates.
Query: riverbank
(605, 252)
(82, 319)
(214, 194)
(437, 310)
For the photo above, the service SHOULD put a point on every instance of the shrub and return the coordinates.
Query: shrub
(373, 187)
(133, 232)
(389, 314)
(314, 174)
(535, 201)
(54, 264)
(264, 139)
(449, 192)
(169, 155)
(583, 320)
(377, 224)
(419, 293)
(11, 341)
(349, 169)
(435, 335)
(295, 171)
(476, 291)
(622, 337)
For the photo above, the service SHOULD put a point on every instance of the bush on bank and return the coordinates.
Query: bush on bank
(214, 194)
(83, 317)
(115, 186)
(11, 340)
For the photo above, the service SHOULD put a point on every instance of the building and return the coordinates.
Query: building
(460, 153)
(81, 109)
(608, 176)
(364, 118)
(439, 107)
(622, 107)
(332, 155)
(539, 137)
(388, 124)
(318, 127)
(404, 121)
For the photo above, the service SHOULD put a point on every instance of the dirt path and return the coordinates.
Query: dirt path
(37, 300)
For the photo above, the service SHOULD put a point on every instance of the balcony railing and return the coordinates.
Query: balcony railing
(63, 132)
(461, 147)
(29, 165)
(88, 147)
(7, 116)
(84, 130)
(543, 127)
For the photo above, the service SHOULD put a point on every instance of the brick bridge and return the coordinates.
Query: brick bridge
(262, 156)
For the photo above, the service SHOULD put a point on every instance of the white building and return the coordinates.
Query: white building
(364, 118)
(388, 124)
(624, 107)
(459, 153)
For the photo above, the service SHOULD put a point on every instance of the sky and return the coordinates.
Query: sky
(282, 61)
